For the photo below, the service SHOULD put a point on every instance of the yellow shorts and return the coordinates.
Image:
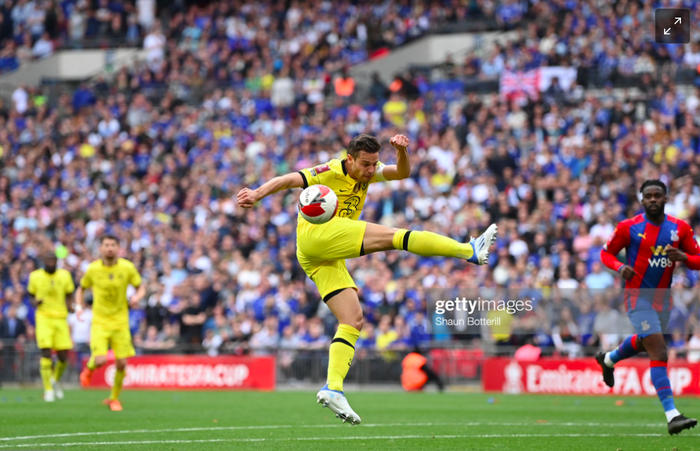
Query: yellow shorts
(101, 340)
(323, 248)
(52, 333)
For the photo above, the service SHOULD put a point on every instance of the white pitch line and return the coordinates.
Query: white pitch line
(315, 426)
(301, 439)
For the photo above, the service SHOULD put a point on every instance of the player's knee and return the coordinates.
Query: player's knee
(100, 360)
(62, 355)
(358, 322)
(121, 364)
(662, 355)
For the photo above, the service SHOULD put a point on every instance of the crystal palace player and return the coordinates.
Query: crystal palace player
(323, 248)
(654, 243)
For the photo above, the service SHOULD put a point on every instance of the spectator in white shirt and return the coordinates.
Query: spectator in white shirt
(109, 126)
(43, 47)
(282, 91)
(602, 230)
(21, 99)
(154, 44)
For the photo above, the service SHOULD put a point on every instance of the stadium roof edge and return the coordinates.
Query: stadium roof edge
(72, 65)
(431, 49)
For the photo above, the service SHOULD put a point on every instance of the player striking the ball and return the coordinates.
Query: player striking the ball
(654, 242)
(323, 248)
(109, 278)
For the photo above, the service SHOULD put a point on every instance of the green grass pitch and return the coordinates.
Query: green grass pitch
(169, 420)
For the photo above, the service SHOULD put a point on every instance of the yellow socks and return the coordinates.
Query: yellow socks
(58, 371)
(429, 244)
(118, 382)
(341, 352)
(45, 370)
(91, 364)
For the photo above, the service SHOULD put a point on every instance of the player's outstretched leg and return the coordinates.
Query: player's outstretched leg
(607, 360)
(345, 305)
(428, 244)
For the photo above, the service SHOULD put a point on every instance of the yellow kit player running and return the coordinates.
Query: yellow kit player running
(109, 278)
(323, 248)
(52, 290)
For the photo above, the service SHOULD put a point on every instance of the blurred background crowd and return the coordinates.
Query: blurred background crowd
(234, 93)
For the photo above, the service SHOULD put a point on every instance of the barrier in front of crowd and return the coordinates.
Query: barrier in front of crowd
(189, 367)
(192, 372)
(582, 377)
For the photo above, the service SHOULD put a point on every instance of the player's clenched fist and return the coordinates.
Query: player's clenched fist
(675, 255)
(247, 198)
(400, 142)
(627, 272)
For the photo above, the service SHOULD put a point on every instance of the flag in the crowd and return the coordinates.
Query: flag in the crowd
(518, 85)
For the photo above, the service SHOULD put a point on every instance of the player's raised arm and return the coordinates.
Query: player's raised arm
(402, 168)
(248, 197)
(619, 240)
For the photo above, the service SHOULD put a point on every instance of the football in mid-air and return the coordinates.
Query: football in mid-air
(318, 204)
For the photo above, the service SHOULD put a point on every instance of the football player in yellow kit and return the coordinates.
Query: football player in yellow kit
(51, 289)
(109, 278)
(323, 248)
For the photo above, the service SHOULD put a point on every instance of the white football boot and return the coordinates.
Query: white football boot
(57, 388)
(49, 396)
(338, 403)
(481, 245)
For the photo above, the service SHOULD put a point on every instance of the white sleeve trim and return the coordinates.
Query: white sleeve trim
(380, 174)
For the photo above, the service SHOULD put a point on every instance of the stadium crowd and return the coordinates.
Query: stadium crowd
(138, 158)
(605, 41)
(351, 31)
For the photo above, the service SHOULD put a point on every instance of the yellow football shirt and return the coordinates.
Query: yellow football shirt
(110, 308)
(51, 289)
(351, 193)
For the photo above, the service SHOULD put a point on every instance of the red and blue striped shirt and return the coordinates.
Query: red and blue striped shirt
(645, 244)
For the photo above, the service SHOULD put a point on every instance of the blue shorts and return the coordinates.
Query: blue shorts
(647, 321)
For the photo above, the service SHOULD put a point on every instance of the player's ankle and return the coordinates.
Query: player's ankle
(671, 414)
(474, 258)
(608, 361)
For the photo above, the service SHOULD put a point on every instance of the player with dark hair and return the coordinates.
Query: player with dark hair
(323, 248)
(109, 278)
(51, 289)
(654, 242)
